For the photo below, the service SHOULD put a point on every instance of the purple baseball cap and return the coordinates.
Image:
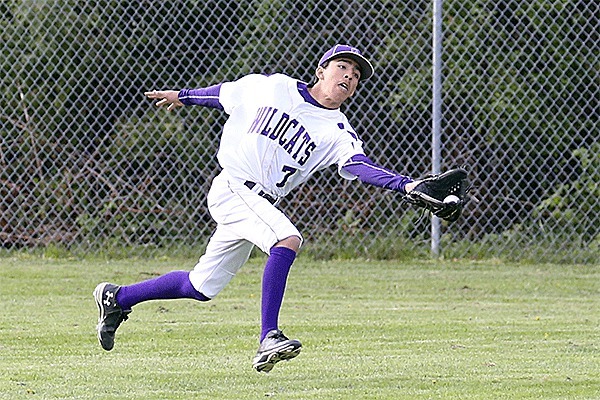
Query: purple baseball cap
(343, 50)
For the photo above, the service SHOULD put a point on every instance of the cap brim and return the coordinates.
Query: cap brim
(366, 69)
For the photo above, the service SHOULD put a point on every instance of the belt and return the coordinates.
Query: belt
(263, 194)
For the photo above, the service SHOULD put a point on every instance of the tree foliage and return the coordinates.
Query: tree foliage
(520, 105)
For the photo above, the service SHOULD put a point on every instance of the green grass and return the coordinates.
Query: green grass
(370, 330)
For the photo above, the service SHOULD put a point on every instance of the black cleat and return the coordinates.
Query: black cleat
(111, 314)
(275, 347)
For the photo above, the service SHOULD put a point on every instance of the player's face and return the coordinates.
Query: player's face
(341, 79)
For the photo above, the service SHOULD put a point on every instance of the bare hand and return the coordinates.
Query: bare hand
(169, 98)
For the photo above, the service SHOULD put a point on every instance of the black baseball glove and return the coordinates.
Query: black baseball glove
(433, 189)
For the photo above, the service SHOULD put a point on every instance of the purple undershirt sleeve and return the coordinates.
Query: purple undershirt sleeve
(206, 97)
(367, 171)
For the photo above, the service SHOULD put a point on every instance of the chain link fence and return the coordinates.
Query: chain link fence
(88, 164)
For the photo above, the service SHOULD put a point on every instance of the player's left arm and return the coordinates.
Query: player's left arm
(369, 172)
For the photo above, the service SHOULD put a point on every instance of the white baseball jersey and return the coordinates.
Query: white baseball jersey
(274, 136)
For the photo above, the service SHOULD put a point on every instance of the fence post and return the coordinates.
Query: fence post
(436, 115)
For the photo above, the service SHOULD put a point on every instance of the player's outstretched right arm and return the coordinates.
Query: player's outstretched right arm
(169, 98)
(206, 97)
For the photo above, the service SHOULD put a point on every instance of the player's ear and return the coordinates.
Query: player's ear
(320, 73)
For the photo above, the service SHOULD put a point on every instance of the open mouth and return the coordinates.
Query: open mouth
(344, 86)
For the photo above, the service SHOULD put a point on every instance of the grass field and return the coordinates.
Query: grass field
(370, 330)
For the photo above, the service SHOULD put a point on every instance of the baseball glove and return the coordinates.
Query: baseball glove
(433, 189)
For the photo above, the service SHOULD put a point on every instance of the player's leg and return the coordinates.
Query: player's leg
(274, 345)
(172, 285)
(250, 216)
(223, 257)
(277, 269)
(225, 254)
(115, 302)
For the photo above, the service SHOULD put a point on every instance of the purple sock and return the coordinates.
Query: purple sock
(173, 285)
(273, 287)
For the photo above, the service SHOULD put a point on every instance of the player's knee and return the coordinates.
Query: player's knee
(292, 242)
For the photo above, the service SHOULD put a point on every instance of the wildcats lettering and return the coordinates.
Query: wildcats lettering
(285, 131)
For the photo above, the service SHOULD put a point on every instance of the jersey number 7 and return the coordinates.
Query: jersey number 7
(288, 171)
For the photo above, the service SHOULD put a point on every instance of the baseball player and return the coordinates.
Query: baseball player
(279, 132)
